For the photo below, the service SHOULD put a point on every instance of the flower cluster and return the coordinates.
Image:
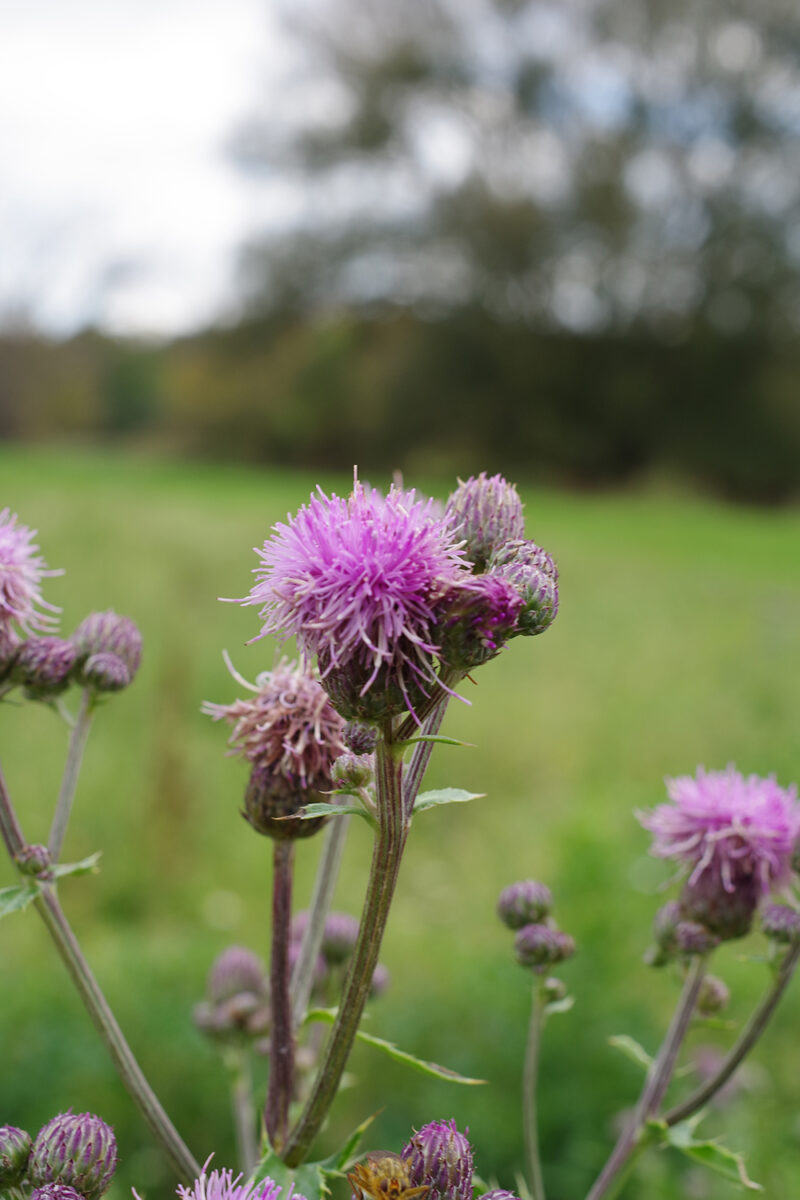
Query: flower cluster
(539, 943)
(236, 1009)
(73, 1155)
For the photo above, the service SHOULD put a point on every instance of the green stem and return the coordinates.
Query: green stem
(105, 1023)
(321, 899)
(530, 1076)
(386, 857)
(744, 1044)
(281, 1047)
(244, 1112)
(69, 780)
(656, 1083)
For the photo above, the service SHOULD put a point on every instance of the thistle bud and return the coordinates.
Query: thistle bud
(34, 860)
(486, 513)
(474, 620)
(724, 908)
(105, 672)
(15, 1150)
(665, 923)
(781, 923)
(108, 633)
(440, 1157)
(10, 643)
(384, 697)
(234, 971)
(43, 666)
(271, 801)
(539, 946)
(525, 903)
(714, 996)
(360, 738)
(339, 937)
(77, 1150)
(55, 1191)
(692, 938)
(533, 573)
(352, 771)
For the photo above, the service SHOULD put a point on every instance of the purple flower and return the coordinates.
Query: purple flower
(21, 573)
(223, 1185)
(441, 1157)
(78, 1150)
(723, 823)
(234, 971)
(486, 513)
(357, 582)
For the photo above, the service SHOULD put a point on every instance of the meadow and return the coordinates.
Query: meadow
(677, 643)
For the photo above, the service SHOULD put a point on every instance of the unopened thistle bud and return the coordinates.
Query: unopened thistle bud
(15, 1150)
(34, 860)
(339, 937)
(105, 672)
(692, 938)
(539, 946)
(10, 643)
(109, 633)
(440, 1157)
(781, 923)
(475, 619)
(714, 996)
(271, 803)
(486, 512)
(360, 738)
(77, 1150)
(525, 903)
(43, 666)
(533, 573)
(353, 771)
(386, 696)
(236, 970)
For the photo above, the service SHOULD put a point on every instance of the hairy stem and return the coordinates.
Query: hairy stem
(386, 856)
(69, 781)
(530, 1076)
(744, 1044)
(281, 1047)
(321, 898)
(657, 1081)
(105, 1023)
(244, 1112)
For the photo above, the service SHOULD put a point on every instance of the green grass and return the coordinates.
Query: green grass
(677, 643)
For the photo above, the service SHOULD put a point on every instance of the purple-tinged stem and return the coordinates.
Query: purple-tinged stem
(131, 1074)
(386, 856)
(281, 1051)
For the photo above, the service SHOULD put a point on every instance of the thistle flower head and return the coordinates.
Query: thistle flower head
(475, 619)
(540, 946)
(43, 665)
(531, 570)
(486, 512)
(22, 570)
(781, 923)
(15, 1150)
(109, 633)
(224, 1185)
(78, 1150)
(234, 971)
(441, 1158)
(10, 642)
(56, 1191)
(720, 822)
(287, 727)
(105, 672)
(357, 582)
(524, 903)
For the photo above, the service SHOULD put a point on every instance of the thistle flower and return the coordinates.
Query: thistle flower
(56, 1191)
(533, 573)
(476, 617)
(734, 835)
(15, 1150)
(357, 582)
(21, 573)
(234, 971)
(524, 903)
(78, 1150)
(441, 1158)
(224, 1185)
(539, 946)
(781, 923)
(109, 633)
(486, 513)
(360, 738)
(43, 665)
(105, 672)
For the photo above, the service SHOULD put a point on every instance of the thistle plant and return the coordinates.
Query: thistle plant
(392, 602)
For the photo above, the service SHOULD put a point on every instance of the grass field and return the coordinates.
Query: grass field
(677, 643)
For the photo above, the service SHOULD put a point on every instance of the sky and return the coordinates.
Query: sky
(119, 203)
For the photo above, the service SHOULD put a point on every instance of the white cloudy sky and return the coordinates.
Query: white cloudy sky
(118, 203)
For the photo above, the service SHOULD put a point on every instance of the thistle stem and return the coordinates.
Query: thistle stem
(321, 898)
(244, 1112)
(743, 1045)
(657, 1081)
(105, 1023)
(69, 780)
(281, 1046)
(530, 1076)
(421, 756)
(386, 856)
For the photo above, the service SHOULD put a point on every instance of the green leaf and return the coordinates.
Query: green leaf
(308, 1179)
(16, 899)
(632, 1050)
(708, 1153)
(328, 1015)
(310, 811)
(344, 1157)
(559, 1006)
(434, 737)
(87, 866)
(444, 796)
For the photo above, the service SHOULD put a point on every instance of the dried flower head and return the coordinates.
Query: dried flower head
(357, 581)
(441, 1157)
(22, 570)
(15, 1150)
(78, 1150)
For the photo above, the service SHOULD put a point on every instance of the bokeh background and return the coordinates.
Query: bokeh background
(243, 247)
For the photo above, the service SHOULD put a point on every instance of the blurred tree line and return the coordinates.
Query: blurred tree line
(560, 240)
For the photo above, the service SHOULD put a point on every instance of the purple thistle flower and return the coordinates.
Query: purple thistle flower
(234, 971)
(722, 821)
(498, 1194)
(43, 665)
(441, 1158)
(357, 581)
(109, 633)
(475, 619)
(21, 573)
(224, 1185)
(524, 903)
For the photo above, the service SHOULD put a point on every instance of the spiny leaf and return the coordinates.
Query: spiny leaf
(631, 1049)
(708, 1153)
(17, 898)
(87, 866)
(309, 1179)
(444, 796)
(311, 811)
